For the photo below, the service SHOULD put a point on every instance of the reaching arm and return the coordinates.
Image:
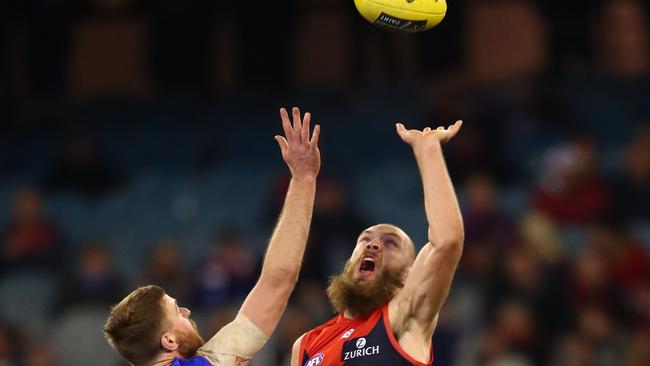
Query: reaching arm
(238, 341)
(429, 280)
(266, 302)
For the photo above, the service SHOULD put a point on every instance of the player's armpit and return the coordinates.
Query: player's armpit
(235, 344)
(416, 306)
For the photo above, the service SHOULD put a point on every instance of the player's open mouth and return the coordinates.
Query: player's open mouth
(367, 266)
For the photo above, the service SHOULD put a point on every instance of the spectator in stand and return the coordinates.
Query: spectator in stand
(510, 339)
(82, 169)
(487, 229)
(39, 354)
(9, 345)
(540, 255)
(622, 48)
(627, 261)
(526, 278)
(639, 308)
(30, 240)
(573, 350)
(602, 332)
(631, 189)
(571, 190)
(293, 325)
(93, 282)
(473, 153)
(227, 274)
(592, 285)
(311, 295)
(541, 236)
(165, 269)
(485, 223)
(334, 227)
(638, 352)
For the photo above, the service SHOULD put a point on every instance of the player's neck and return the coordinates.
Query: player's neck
(164, 359)
(351, 315)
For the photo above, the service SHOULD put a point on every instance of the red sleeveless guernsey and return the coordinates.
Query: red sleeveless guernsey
(355, 342)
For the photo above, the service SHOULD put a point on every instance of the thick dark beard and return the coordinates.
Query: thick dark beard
(189, 343)
(347, 293)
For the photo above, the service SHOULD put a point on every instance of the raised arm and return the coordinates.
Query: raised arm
(266, 302)
(239, 341)
(415, 308)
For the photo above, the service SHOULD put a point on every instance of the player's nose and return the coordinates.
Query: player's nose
(373, 246)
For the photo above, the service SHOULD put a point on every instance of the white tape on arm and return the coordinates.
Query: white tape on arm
(235, 344)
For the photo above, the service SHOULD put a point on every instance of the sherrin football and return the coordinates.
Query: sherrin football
(403, 15)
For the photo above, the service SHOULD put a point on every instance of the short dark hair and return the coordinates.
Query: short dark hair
(135, 325)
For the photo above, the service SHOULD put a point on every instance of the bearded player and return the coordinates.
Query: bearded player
(387, 299)
(149, 328)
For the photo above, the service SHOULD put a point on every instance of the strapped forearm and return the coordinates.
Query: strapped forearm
(235, 344)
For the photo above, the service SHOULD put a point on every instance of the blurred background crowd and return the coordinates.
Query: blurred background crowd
(136, 147)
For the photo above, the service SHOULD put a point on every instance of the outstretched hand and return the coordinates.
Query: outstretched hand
(417, 138)
(299, 150)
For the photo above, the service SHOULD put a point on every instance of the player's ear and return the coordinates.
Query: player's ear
(405, 274)
(168, 341)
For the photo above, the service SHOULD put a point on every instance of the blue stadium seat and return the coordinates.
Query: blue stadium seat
(28, 298)
(79, 340)
(74, 214)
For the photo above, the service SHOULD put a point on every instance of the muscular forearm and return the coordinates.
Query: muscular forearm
(441, 205)
(287, 245)
(268, 299)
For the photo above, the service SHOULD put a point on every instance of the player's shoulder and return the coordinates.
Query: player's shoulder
(296, 344)
(317, 332)
(194, 361)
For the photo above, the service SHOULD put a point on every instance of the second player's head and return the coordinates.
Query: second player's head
(148, 323)
(376, 270)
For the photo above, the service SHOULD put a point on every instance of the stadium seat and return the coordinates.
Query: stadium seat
(28, 298)
(79, 340)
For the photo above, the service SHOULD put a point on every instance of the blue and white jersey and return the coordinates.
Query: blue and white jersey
(194, 361)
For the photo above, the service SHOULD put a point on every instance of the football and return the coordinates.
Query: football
(403, 15)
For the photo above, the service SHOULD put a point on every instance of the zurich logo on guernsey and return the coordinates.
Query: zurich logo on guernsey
(317, 359)
(361, 351)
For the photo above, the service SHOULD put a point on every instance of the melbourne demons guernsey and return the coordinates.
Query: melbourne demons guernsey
(355, 342)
